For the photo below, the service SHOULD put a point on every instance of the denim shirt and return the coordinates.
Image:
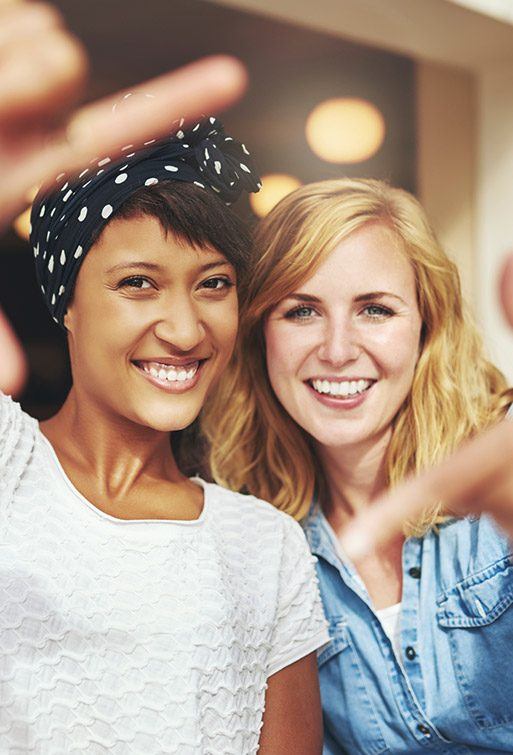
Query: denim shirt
(451, 691)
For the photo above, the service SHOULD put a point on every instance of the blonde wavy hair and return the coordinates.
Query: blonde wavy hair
(255, 445)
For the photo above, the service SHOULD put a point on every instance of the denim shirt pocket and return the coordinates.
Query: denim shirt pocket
(350, 718)
(475, 617)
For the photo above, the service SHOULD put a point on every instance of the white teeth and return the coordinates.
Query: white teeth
(343, 388)
(333, 388)
(170, 373)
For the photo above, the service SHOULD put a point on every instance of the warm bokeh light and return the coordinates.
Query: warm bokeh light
(22, 223)
(345, 130)
(275, 186)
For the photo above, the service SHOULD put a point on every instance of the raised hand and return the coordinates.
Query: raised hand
(42, 74)
(477, 477)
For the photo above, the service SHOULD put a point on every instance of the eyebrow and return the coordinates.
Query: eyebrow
(377, 295)
(361, 297)
(153, 267)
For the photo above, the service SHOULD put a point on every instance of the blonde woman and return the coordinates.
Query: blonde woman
(358, 365)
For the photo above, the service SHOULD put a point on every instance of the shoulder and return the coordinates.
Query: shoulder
(251, 517)
(243, 505)
(14, 424)
(17, 436)
(11, 415)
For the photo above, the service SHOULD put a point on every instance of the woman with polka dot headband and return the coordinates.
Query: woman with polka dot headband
(143, 610)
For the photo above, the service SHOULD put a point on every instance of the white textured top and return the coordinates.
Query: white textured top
(142, 636)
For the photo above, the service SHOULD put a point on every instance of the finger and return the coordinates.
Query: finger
(38, 84)
(498, 500)
(459, 482)
(102, 128)
(21, 19)
(12, 362)
(206, 86)
(506, 289)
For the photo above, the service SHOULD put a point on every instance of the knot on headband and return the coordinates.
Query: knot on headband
(66, 220)
(224, 163)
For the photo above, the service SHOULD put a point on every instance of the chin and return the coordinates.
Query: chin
(330, 438)
(164, 417)
(167, 424)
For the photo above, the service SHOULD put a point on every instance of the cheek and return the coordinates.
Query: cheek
(223, 324)
(401, 354)
(108, 327)
(285, 351)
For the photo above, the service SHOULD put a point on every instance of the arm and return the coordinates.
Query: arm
(42, 72)
(292, 718)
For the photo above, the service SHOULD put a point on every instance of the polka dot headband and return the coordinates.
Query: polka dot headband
(66, 220)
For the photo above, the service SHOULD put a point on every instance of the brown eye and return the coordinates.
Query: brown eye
(218, 284)
(135, 282)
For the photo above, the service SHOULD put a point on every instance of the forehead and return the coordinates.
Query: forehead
(372, 258)
(143, 238)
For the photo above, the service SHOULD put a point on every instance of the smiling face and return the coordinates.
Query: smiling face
(342, 348)
(152, 324)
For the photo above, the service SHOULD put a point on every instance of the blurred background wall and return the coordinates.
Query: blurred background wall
(426, 86)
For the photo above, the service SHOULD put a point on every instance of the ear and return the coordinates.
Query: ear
(68, 318)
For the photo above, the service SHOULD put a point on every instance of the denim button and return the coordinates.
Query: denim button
(410, 653)
(414, 572)
(424, 730)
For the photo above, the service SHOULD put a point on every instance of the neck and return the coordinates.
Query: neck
(354, 476)
(115, 450)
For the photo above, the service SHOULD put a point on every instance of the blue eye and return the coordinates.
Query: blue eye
(377, 312)
(300, 313)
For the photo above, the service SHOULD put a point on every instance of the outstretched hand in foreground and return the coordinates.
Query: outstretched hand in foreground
(42, 74)
(477, 477)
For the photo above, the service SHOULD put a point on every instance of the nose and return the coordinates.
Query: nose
(179, 324)
(340, 343)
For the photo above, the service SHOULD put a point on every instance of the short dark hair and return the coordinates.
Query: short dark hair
(193, 215)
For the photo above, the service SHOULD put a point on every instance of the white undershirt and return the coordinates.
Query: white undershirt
(390, 621)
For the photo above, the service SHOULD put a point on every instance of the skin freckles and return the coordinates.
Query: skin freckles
(356, 318)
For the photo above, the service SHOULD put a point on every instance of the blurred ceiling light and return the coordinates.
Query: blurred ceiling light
(345, 130)
(22, 223)
(275, 186)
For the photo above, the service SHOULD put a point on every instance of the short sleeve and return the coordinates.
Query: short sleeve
(300, 626)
